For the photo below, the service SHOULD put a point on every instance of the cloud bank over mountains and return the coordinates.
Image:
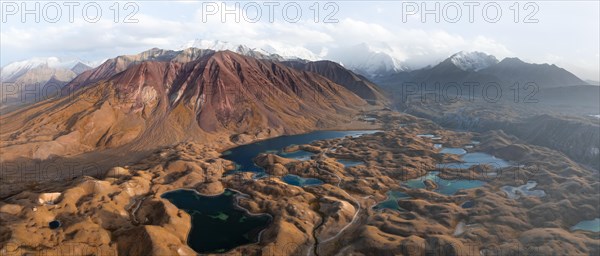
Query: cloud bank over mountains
(368, 32)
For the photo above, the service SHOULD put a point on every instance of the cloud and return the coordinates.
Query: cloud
(416, 46)
(107, 38)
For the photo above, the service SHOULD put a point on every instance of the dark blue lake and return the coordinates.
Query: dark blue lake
(468, 204)
(391, 202)
(217, 224)
(54, 224)
(298, 155)
(300, 181)
(244, 155)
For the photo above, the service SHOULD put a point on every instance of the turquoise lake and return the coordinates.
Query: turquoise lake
(446, 187)
(588, 225)
(391, 202)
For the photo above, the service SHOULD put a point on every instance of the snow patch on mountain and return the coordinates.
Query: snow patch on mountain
(286, 52)
(291, 53)
(218, 45)
(473, 61)
(362, 58)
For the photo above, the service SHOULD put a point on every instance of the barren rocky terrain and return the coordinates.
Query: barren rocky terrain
(123, 213)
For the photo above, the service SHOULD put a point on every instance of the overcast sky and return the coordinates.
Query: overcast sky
(566, 32)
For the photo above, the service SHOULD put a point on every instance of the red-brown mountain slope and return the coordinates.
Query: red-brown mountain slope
(154, 103)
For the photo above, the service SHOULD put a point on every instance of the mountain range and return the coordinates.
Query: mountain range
(360, 58)
(466, 67)
(280, 53)
(13, 71)
(161, 97)
(30, 81)
(94, 165)
(364, 64)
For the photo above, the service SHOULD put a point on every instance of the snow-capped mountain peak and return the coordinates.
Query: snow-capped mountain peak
(292, 52)
(473, 61)
(215, 45)
(218, 45)
(17, 68)
(361, 58)
(367, 61)
(285, 52)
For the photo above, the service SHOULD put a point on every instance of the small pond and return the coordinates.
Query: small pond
(588, 225)
(429, 136)
(525, 190)
(453, 151)
(391, 202)
(350, 163)
(300, 181)
(474, 159)
(54, 224)
(446, 187)
(468, 204)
